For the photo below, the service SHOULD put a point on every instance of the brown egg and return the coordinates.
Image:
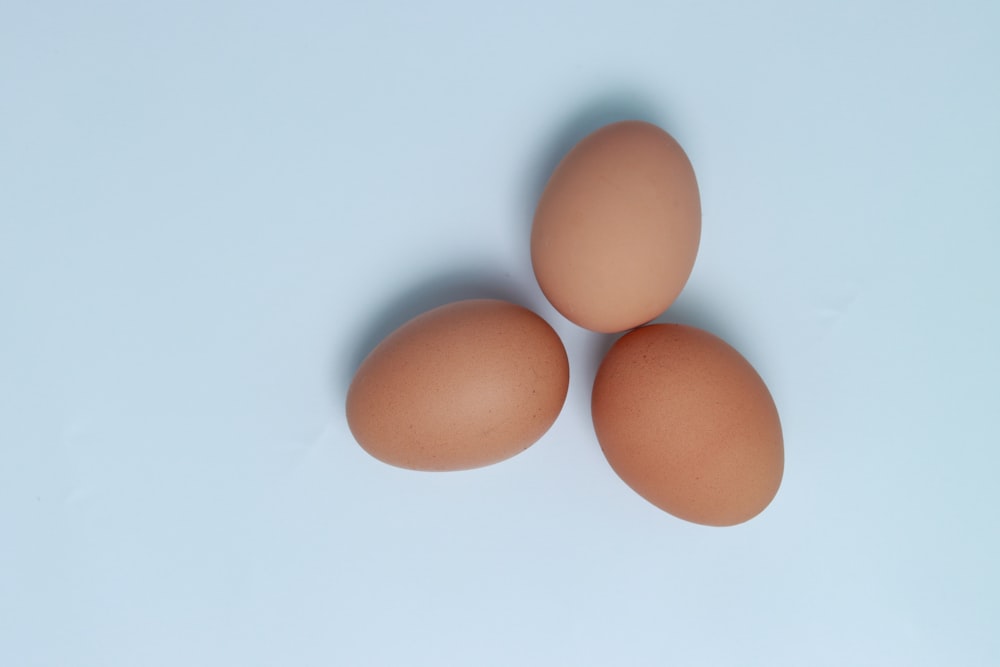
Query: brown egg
(461, 386)
(617, 228)
(688, 423)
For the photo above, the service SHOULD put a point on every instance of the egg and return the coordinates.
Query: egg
(461, 386)
(617, 228)
(688, 423)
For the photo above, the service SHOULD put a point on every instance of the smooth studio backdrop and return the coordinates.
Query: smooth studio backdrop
(210, 211)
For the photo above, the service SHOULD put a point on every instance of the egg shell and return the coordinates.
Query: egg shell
(688, 423)
(461, 386)
(617, 228)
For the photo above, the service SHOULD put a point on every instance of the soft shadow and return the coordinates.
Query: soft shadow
(690, 310)
(433, 292)
(608, 108)
(597, 348)
(696, 311)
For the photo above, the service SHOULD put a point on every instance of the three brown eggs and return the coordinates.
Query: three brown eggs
(680, 415)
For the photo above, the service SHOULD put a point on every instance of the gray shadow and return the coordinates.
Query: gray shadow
(427, 294)
(689, 310)
(602, 110)
(693, 310)
(597, 349)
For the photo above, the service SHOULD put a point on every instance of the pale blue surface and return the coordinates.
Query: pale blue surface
(208, 211)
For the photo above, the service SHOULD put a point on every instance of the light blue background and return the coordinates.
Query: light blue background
(210, 211)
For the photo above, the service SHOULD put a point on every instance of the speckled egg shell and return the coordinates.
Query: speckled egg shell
(461, 386)
(617, 228)
(688, 423)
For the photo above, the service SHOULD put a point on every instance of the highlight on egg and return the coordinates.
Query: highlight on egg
(461, 386)
(617, 228)
(688, 423)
